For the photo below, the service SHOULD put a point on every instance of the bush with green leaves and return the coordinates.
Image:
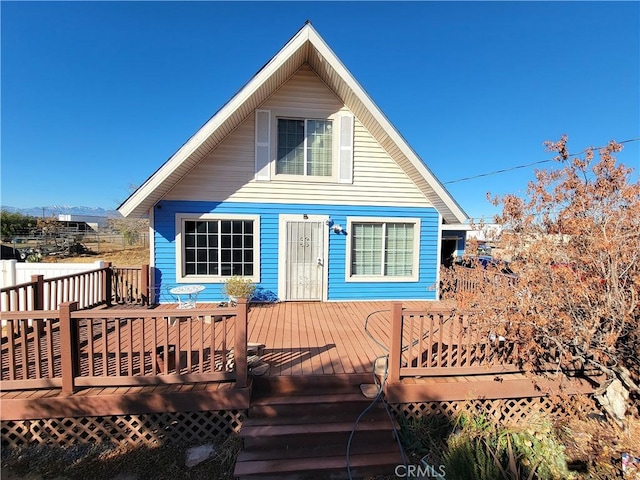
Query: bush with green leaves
(483, 449)
(476, 446)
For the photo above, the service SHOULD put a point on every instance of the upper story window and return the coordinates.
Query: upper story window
(305, 147)
(292, 148)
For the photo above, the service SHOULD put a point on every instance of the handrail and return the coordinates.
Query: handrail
(105, 285)
(89, 289)
(443, 342)
(71, 348)
(22, 296)
(76, 274)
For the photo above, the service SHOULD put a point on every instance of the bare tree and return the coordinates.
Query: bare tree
(574, 241)
(130, 228)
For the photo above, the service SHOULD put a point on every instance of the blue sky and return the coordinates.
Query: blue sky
(96, 96)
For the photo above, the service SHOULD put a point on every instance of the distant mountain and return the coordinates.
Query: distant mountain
(62, 209)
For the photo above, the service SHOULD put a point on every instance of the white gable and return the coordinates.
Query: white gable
(306, 47)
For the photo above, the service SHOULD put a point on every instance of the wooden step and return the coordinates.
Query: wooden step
(279, 430)
(321, 468)
(310, 399)
(318, 450)
(288, 410)
(311, 440)
(313, 416)
(308, 383)
(299, 428)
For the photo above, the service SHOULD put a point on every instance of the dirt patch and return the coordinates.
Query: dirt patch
(105, 461)
(133, 256)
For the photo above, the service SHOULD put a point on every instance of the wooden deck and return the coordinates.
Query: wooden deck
(313, 338)
(119, 370)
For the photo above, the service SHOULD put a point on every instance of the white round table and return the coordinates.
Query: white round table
(191, 291)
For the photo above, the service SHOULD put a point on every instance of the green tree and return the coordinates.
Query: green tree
(15, 224)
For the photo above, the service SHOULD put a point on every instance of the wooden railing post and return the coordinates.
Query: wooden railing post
(38, 291)
(395, 349)
(240, 348)
(109, 272)
(38, 300)
(144, 284)
(68, 347)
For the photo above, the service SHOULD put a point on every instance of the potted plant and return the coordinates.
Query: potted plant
(239, 287)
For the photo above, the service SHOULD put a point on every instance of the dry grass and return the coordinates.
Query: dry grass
(599, 444)
(132, 256)
(105, 461)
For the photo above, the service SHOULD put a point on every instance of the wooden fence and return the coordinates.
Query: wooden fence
(73, 348)
(102, 286)
(439, 343)
(478, 279)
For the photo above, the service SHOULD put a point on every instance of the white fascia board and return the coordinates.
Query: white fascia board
(163, 174)
(326, 52)
(306, 33)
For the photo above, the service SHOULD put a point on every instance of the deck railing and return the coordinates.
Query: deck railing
(131, 285)
(88, 289)
(21, 297)
(102, 286)
(30, 357)
(469, 280)
(74, 348)
(440, 343)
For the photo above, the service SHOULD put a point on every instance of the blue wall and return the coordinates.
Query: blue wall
(424, 288)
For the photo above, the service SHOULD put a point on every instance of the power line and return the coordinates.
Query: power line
(529, 164)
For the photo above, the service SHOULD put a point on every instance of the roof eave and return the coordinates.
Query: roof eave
(340, 80)
(150, 192)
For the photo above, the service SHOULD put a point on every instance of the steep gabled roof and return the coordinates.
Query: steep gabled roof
(306, 46)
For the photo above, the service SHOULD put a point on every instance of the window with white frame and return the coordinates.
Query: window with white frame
(383, 249)
(216, 247)
(305, 147)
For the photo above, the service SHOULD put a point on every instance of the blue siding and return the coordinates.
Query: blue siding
(338, 288)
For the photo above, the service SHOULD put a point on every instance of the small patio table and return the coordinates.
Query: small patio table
(191, 291)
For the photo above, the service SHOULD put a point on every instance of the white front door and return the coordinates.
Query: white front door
(302, 257)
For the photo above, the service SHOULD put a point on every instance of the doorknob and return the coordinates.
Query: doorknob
(319, 260)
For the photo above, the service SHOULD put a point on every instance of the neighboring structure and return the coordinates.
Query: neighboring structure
(454, 239)
(83, 223)
(300, 183)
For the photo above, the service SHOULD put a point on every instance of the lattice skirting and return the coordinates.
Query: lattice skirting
(504, 410)
(145, 429)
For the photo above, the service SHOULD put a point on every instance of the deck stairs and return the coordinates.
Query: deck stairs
(298, 428)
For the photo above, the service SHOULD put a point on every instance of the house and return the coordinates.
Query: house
(300, 183)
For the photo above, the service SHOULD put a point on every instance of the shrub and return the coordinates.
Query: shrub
(239, 287)
(475, 446)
